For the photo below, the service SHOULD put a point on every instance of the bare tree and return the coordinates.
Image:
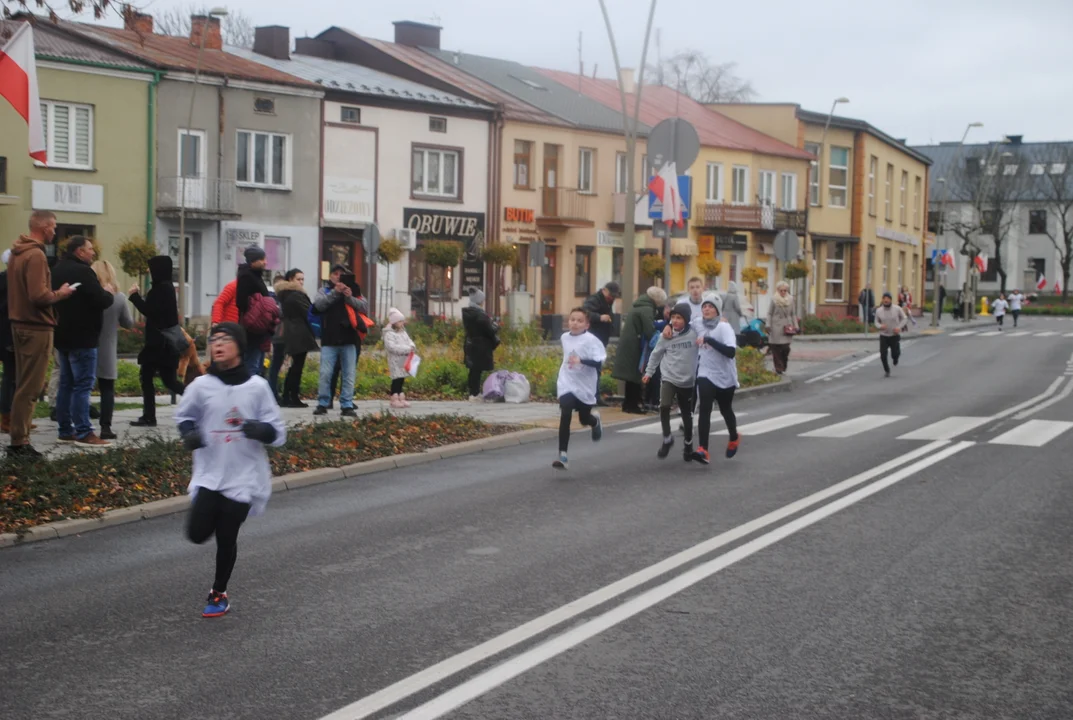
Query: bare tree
(693, 74)
(236, 27)
(98, 7)
(1052, 166)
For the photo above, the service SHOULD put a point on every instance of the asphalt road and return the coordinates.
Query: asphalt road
(848, 574)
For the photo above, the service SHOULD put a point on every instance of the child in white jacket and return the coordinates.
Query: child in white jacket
(398, 345)
(226, 418)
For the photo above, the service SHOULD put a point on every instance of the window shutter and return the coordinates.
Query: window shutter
(61, 134)
(82, 137)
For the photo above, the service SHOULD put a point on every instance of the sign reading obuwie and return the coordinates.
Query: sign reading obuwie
(455, 225)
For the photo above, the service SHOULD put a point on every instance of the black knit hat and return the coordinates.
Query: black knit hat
(888, 295)
(253, 254)
(682, 309)
(234, 331)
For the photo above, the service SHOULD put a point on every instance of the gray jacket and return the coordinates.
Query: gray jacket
(676, 359)
(893, 317)
(114, 317)
(732, 309)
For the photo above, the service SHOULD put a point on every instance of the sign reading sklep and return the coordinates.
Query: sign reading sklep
(67, 197)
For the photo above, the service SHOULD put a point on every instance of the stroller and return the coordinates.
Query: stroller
(753, 335)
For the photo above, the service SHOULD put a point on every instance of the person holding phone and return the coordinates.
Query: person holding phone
(339, 309)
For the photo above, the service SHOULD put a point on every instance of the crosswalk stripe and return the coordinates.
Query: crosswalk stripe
(857, 425)
(1019, 333)
(1068, 335)
(1046, 334)
(656, 428)
(1033, 433)
(777, 423)
(963, 333)
(947, 428)
(991, 333)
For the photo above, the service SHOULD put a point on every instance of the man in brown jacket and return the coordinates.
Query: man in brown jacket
(30, 298)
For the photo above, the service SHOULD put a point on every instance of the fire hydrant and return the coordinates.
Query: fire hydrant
(984, 308)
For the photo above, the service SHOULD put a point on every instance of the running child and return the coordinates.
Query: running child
(583, 356)
(226, 418)
(998, 309)
(675, 356)
(717, 377)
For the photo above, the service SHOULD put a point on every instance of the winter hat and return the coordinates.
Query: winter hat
(710, 299)
(253, 254)
(476, 297)
(234, 331)
(394, 315)
(683, 310)
(888, 295)
(613, 288)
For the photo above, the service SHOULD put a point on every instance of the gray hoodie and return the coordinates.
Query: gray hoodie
(676, 359)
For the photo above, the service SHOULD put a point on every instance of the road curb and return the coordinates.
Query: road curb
(280, 483)
(785, 384)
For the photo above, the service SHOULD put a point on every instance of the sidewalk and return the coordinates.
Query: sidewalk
(921, 329)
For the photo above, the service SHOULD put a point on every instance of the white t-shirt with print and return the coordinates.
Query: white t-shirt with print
(998, 308)
(575, 378)
(714, 365)
(1015, 301)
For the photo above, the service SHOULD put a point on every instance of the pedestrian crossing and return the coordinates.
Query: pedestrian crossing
(1030, 433)
(1006, 333)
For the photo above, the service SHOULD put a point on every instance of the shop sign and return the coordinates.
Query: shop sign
(732, 242)
(350, 200)
(898, 237)
(67, 197)
(519, 215)
(464, 227)
(606, 238)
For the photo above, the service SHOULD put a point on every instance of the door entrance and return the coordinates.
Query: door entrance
(548, 280)
(551, 179)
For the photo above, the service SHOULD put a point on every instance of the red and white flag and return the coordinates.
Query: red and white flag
(981, 263)
(1042, 284)
(665, 187)
(1057, 287)
(18, 85)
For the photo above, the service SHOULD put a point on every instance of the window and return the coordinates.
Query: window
(523, 155)
(871, 264)
(767, 188)
(973, 166)
(873, 168)
(992, 169)
(437, 124)
(733, 264)
(1037, 222)
(714, 192)
(582, 271)
(584, 169)
(740, 188)
(888, 201)
(68, 134)
(435, 172)
(886, 270)
(350, 115)
(934, 221)
(264, 106)
(1009, 169)
(918, 186)
(621, 176)
(901, 269)
(617, 259)
(903, 197)
(916, 272)
(991, 273)
(646, 172)
(988, 219)
(813, 176)
(263, 159)
(3, 176)
(834, 287)
(789, 191)
(838, 176)
(1058, 168)
(1038, 169)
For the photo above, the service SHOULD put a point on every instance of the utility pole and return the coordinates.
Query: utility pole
(942, 225)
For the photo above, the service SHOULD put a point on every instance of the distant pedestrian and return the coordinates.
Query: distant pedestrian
(731, 310)
(905, 301)
(867, 303)
(637, 331)
(275, 362)
(600, 308)
(482, 339)
(583, 356)
(942, 301)
(676, 357)
(226, 418)
(158, 356)
(298, 337)
(249, 288)
(781, 325)
(399, 347)
(339, 310)
(889, 320)
(998, 309)
(1016, 300)
(115, 317)
(717, 377)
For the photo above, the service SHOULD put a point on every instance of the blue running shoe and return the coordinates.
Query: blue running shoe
(217, 605)
(561, 463)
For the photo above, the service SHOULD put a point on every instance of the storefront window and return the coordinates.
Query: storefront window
(834, 287)
(582, 271)
(617, 258)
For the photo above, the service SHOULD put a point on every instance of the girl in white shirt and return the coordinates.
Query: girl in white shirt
(998, 309)
(717, 377)
(1016, 299)
(583, 355)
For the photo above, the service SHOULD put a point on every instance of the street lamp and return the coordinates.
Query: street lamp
(942, 224)
(215, 12)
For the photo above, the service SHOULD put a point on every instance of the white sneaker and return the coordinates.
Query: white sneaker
(476, 398)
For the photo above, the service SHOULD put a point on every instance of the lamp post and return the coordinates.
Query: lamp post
(819, 192)
(215, 12)
(942, 224)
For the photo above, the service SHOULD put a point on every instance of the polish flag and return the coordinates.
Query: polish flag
(665, 186)
(981, 263)
(1042, 284)
(1057, 287)
(948, 259)
(18, 85)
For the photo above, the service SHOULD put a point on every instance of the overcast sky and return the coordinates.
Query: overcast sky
(918, 69)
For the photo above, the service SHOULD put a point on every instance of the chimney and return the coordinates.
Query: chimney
(1015, 139)
(209, 25)
(314, 47)
(625, 79)
(415, 34)
(140, 23)
(272, 41)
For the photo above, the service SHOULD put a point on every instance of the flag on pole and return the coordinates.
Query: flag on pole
(981, 262)
(1042, 284)
(948, 259)
(665, 187)
(1057, 287)
(18, 85)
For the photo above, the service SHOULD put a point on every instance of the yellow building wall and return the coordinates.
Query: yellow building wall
(779, 120)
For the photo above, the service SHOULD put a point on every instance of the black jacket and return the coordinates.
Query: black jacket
(248, 282)
(597, 305)
(335, 327)
(81, 316)
(298, 337)
(481, 338)
(161, 311)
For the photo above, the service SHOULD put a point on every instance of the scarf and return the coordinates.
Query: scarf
(782, 301)
(233, 376)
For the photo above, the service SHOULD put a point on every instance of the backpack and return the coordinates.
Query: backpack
(314, 319)
(262, 317)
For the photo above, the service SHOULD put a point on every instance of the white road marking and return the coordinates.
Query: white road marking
(512, 668)
(990, 333)
(444, 669)
(1019, 333)
(1034, 433)
(1068, 335)
(856, 426)
(1046, 334)
(1030, 402)
(1044, 405)
(656, 428)
(947, 428)
(776, 423)
(963, 333)
(844, 369)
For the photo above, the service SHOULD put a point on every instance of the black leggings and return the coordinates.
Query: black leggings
(474, 381)
(668, 393)
(567, 405)
(725, 398)
(106, 388)
(150, 370)
(396, 385)
(214, 513)
(292, 384)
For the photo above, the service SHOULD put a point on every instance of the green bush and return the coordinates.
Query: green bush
(829, 325)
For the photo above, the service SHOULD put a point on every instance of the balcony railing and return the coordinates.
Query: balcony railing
(205, 197)
(565, 207)
(748, 217)
(795, 220)
(640, 209)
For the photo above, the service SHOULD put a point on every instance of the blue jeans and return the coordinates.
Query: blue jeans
(347, 357)
(78, 370)
(254, 360)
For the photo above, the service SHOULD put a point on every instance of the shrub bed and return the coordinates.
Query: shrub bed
(829, 325)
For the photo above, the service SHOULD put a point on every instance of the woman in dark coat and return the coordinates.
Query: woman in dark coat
(161, 311)
(482, 338)
(637, 330)
(298, 337)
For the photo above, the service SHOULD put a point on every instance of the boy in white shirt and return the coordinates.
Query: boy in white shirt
(717, 377)
(583, 356)
(998, 309)
(1016, 299)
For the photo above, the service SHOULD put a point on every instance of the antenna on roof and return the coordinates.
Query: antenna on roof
(594, 66)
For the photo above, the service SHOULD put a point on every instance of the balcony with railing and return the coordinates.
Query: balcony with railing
(639, 206)
(205, 198)
(748, 217)
(565, 207)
